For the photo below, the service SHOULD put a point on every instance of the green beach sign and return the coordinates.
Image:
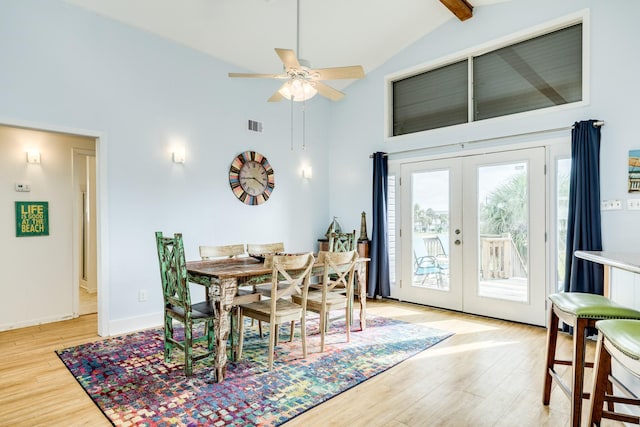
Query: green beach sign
(32, 219)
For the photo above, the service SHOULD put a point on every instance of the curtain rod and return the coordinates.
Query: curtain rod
(599, 123)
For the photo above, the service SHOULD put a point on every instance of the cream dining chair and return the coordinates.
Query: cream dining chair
(265, 248)
(265, 251)
(292, 273)
(336, 291)
(226, 251)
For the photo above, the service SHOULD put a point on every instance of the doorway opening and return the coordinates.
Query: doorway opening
(49, 268)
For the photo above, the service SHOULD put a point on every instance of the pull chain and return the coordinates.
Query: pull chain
(292, 97)
(304, 109)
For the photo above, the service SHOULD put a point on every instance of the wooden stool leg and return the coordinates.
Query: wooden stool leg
(579, 332)
(552, 339)
(601, 383)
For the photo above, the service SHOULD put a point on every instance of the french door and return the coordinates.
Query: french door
(473, 234)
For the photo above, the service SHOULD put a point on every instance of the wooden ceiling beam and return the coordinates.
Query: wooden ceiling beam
(461, 8)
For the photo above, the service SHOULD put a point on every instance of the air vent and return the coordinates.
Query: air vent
(255, 126)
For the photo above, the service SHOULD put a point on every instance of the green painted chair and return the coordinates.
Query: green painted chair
(342, 242)
(580, 311)
(618, 340)
(177, 304)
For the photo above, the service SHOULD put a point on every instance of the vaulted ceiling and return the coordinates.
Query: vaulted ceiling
(244, 33)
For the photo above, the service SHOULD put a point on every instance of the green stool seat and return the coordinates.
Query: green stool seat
(619, 340)
(580, 311)
(591, 306)
(623, 335)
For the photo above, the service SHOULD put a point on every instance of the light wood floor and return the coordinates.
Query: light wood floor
(488, 374)
(88, 302)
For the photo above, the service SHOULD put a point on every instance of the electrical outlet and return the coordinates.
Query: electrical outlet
(633, 204)
(142, 295)
(611, 205)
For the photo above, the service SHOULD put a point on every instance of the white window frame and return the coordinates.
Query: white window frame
(557, 151)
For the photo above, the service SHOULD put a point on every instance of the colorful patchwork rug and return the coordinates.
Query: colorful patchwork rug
(129, 381)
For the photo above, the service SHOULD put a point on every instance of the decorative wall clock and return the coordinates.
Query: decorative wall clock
(251, 178)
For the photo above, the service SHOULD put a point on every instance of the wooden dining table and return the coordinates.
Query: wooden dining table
(222, 277)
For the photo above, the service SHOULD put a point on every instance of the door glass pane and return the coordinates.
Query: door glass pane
(563, 168)
(503, 207)
(430, 225)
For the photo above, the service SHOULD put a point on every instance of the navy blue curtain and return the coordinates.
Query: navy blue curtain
(583, 224)
(379, 265)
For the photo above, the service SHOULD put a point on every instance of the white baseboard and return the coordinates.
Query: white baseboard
(131, 324)
(35, 322)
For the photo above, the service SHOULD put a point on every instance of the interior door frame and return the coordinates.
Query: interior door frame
(88, 179)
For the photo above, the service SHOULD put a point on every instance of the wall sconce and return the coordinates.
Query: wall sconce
(178, 155)
(33, 156)
(307, 172)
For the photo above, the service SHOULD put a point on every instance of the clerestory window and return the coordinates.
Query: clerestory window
(541, 72)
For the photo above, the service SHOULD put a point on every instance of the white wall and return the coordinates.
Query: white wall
(357, 124)
(65, 68)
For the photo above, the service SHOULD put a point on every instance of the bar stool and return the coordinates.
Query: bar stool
(581, 311)
(620, 340)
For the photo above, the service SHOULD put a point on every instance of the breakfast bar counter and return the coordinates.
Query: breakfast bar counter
(622, 260)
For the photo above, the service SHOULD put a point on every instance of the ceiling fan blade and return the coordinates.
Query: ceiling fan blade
(259, 76)
(334, 73)
(277, 96)
(328, 92)
(288, 58)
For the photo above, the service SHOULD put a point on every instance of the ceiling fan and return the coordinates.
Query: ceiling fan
(302, 81)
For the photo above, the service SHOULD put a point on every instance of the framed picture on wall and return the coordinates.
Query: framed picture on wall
(634, 171)
(32, 219)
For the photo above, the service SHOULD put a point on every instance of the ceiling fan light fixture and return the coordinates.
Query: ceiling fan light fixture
(298, 90)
